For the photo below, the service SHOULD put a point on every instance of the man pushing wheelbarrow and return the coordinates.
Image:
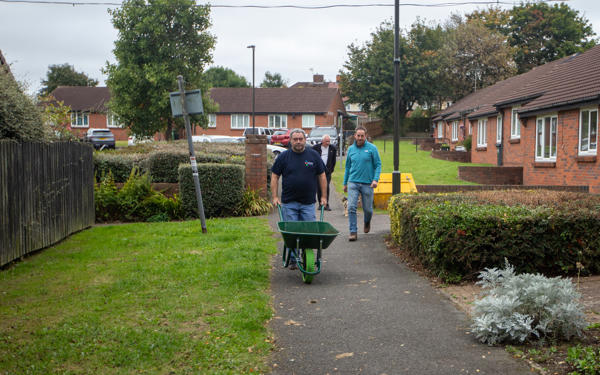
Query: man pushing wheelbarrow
(303, 171)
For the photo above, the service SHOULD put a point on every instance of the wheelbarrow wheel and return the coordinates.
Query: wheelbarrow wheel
(308, 257)
(286, 256)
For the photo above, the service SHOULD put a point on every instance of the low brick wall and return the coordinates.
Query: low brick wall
(460, 156)
(492, 175)
(425, 144)
(456, 188)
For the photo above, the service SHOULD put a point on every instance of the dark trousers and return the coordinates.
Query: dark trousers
(328, 175)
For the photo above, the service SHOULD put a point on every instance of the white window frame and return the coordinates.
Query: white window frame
(515, 123)
(540, 139)
(499, 129)
(112, 121)
(274, 119)
(592, 149)
(482, 132)
(454, 131)
(240, 121)
(85, 116)
(440, 132)
(308, 121)
(212, 120)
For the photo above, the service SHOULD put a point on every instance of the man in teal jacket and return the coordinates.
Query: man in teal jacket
(363, 166)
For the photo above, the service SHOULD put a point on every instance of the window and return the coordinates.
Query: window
(515, 124)
(499, 129)
(545, 144)
(212, 120)
(440, 128)
(482, 133)
(278, 121)
(308, 121)
(588, 132)
(240, 121)
(79, 119)
(112, 121)
(455, 131)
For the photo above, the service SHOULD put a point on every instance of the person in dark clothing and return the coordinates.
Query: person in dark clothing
(328, 154)
(303, 174)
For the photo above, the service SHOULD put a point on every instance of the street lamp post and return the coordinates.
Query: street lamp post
(253, 48)
(396, 176)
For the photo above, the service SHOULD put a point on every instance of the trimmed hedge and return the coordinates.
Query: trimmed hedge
(458, 235)
(222, 187)
(120, 165)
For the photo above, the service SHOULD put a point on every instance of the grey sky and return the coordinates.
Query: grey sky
(293, 42)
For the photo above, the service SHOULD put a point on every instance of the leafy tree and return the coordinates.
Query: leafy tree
(476, 57)
(56, 116)
(224, 77)
(368, 75)
(19, 117)
(544, 33)
(493, 18)
(64, 75)
(273, 80)
(158, 40)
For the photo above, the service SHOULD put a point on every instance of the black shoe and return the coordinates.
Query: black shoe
(327, 208)
(367, 227)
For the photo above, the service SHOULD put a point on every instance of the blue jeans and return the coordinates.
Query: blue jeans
(294, 211)
(366, 191)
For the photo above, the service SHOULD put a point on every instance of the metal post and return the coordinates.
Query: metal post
(186, 117)
(396, 173)
(253, 122)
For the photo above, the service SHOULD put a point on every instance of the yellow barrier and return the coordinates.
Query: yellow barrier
(383, 191)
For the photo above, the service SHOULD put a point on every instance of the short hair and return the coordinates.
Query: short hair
(325, 136)
(297, 131)
(361, 128)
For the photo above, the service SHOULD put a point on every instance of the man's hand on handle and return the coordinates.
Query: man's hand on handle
(323, 201)
(345, 188)
(374, 184)
(276, 201)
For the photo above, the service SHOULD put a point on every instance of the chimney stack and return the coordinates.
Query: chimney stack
(318, 78)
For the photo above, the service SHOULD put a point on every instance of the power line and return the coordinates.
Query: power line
(288, 6)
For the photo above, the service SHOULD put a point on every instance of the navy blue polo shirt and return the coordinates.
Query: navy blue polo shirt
(299, 172)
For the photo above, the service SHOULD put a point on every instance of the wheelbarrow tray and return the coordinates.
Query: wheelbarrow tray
(310, 234)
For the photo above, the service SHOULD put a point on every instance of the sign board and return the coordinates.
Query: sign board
(193, 102)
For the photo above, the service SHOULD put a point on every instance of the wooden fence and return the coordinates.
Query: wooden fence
(46, 193)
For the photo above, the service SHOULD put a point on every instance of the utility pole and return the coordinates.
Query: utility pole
(253, 48)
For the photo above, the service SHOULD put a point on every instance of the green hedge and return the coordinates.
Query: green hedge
(120, 165)
(222, 187)
(456, 236)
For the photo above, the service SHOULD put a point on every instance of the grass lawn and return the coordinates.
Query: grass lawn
(142, 298)
(425, 169)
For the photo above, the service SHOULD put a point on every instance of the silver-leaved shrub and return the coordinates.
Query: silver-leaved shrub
(526, 307)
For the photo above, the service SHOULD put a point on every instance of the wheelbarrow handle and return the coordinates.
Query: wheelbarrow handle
(322, 209)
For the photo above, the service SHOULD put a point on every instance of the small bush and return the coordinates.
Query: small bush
(106, 199)
(119, 165)
(20, 119)
(164, 165)
(585, 360)
(222, 187)
(526, 307)
(253, 204)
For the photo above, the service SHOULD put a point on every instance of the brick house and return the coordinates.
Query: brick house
(544, 120)
(276, 108)
(89, 110)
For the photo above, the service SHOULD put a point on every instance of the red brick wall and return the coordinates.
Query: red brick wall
(568, 169)
(488, 154)
(256, 164)
(492, 175)
(460, 156)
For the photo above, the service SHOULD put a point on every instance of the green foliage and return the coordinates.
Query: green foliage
(585, 359)
(158, 40)
(20, 119)
(117, 164)
(136, 201)
(368, 74)
(273, 80)
(253, 204)
(57, 116)
(219, 76)
(163, 166)
(468, 143)
(222, 187)
(64, 75)
(526, 307)
(457, 235)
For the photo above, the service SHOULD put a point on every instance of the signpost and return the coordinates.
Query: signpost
(185, 103)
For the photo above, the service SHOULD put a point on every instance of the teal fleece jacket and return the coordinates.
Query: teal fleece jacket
(362, 164)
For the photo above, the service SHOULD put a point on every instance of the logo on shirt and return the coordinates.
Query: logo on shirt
(308, 163)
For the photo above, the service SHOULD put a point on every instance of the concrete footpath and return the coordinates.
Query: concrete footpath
(366, 313)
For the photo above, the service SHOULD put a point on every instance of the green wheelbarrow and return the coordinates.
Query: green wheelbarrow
(301, 239)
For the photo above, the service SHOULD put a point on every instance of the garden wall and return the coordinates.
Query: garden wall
(46, 193)
(492, 175)
(455, 188)
(460, 156)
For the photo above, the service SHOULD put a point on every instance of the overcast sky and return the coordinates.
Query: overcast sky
(293, 42)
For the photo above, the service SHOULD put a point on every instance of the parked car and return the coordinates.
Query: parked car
(276, 150)
(133, 140)
(260, 131)
(217, 139)
(281, 137)
(100, 138)
(316, 135)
